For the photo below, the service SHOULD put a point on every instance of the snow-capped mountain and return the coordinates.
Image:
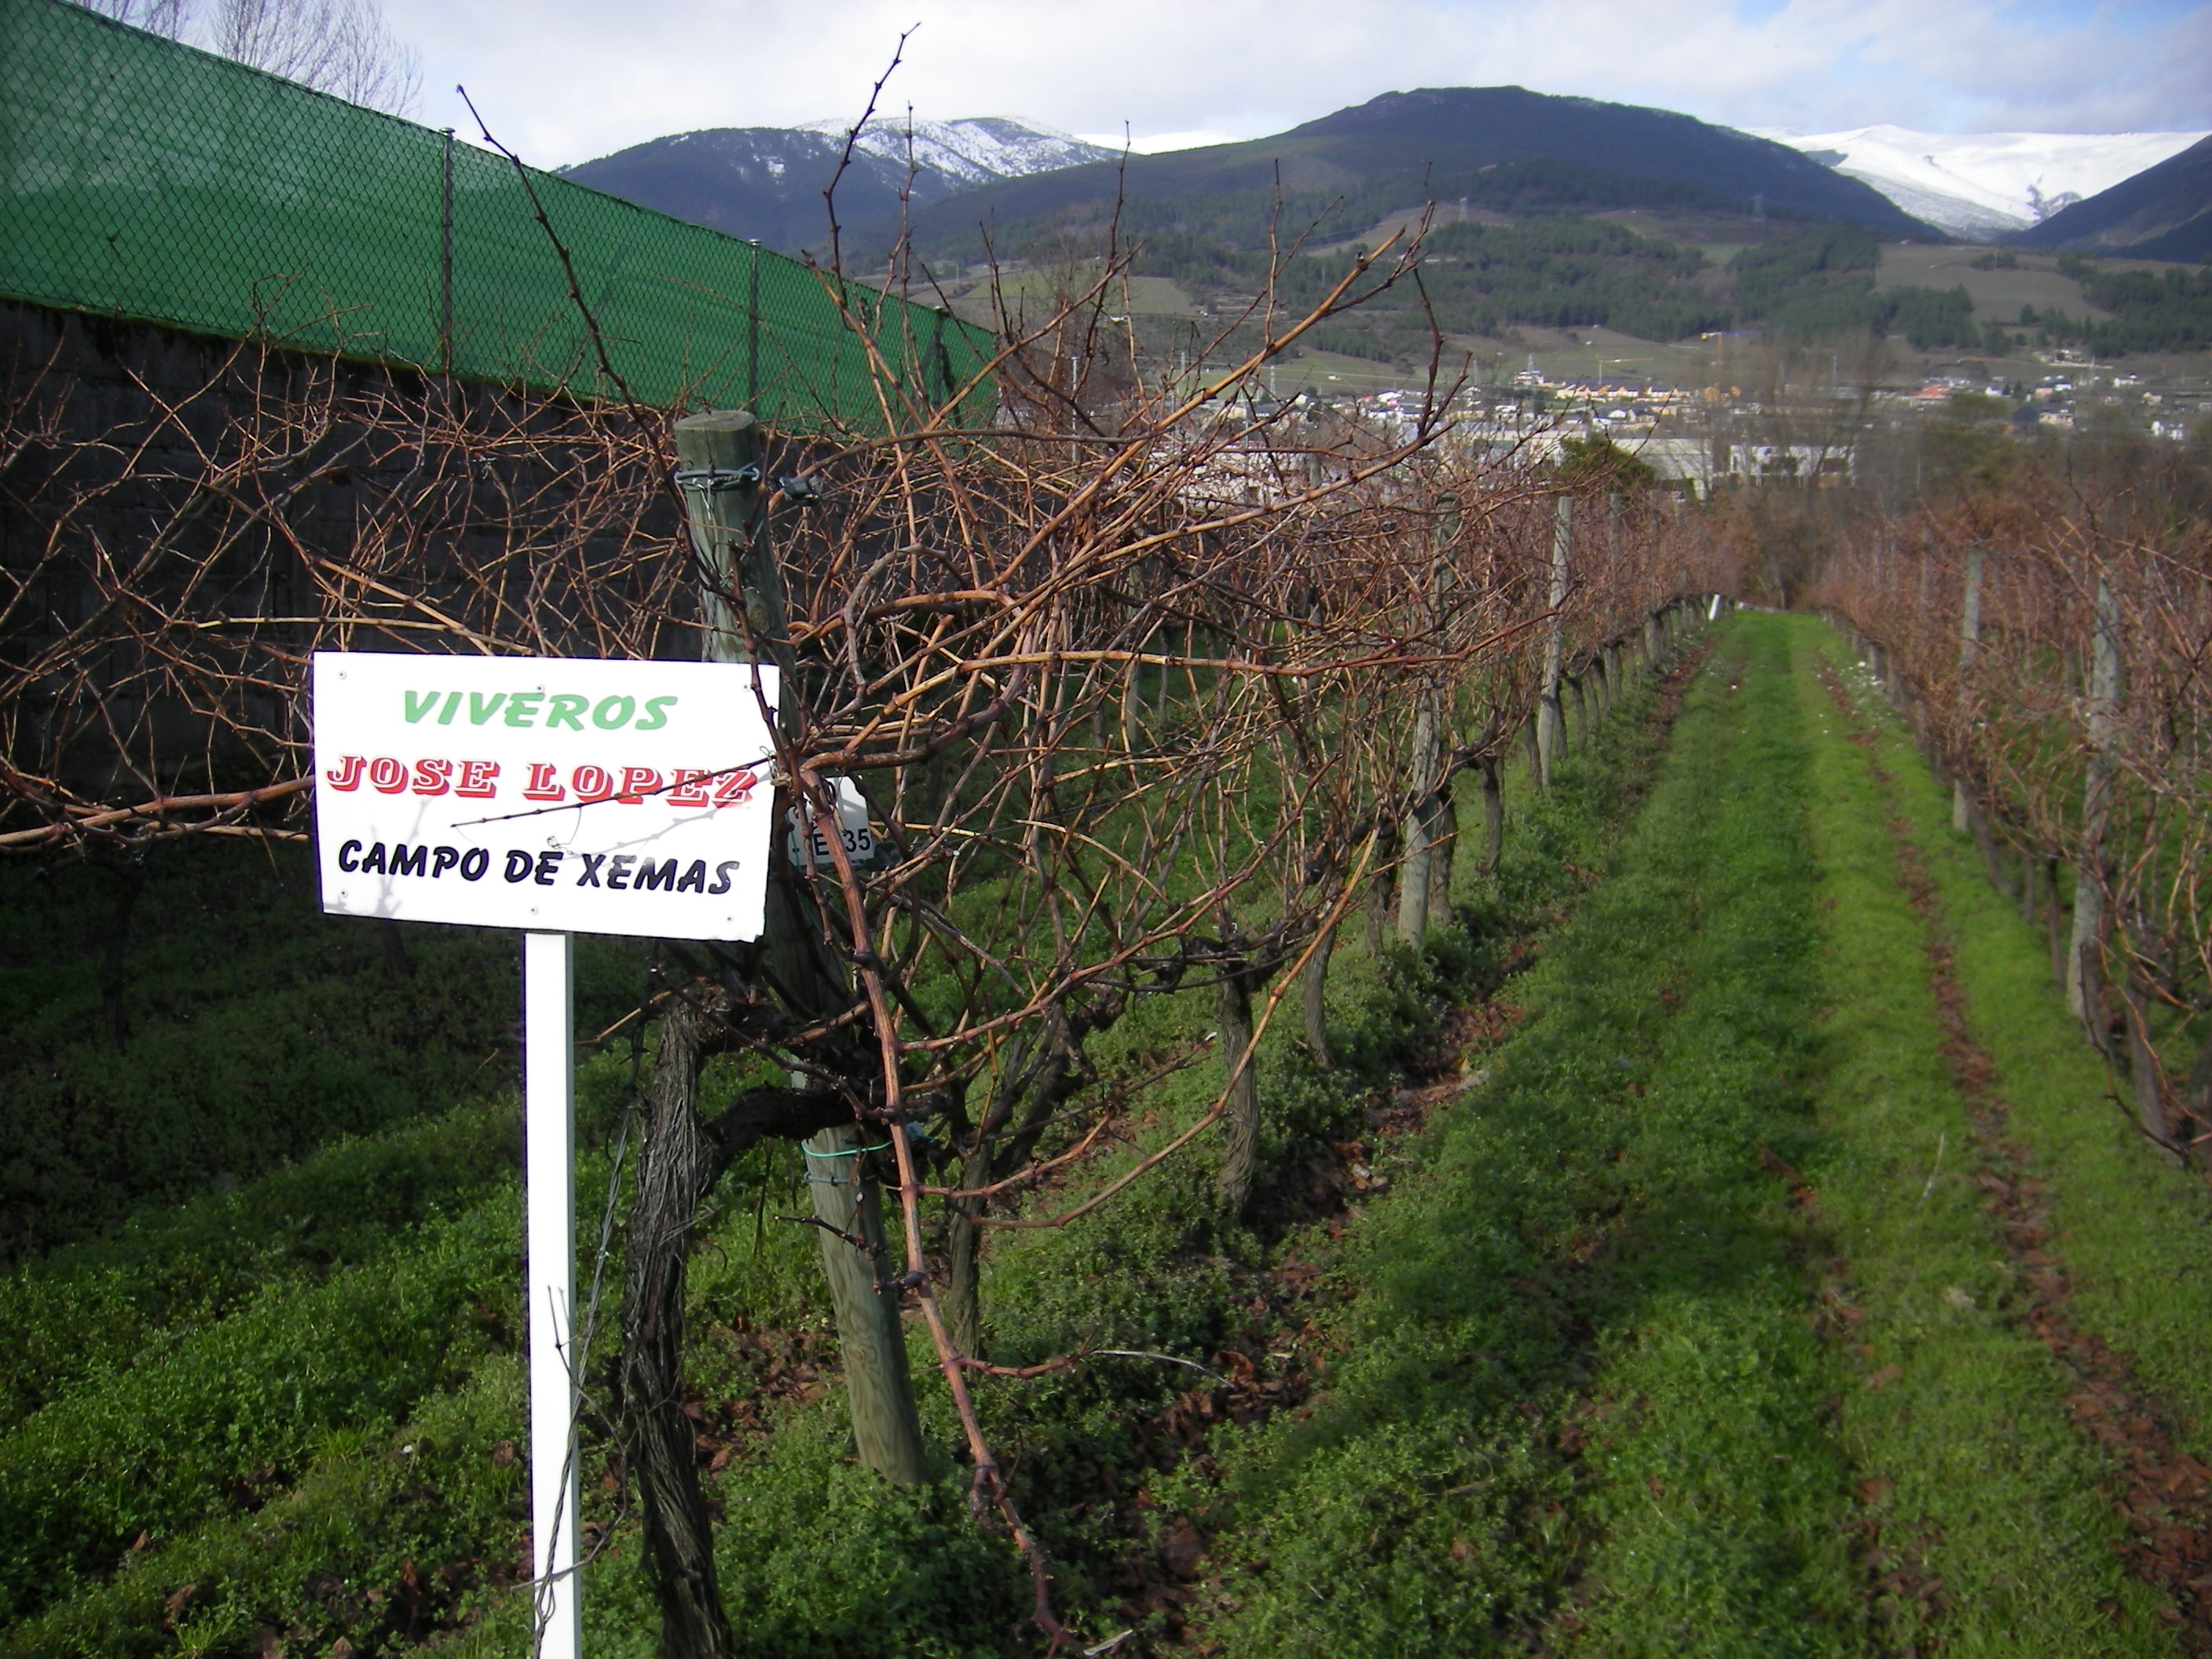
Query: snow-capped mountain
(1987, 184)
(767, 182)
(976, 150)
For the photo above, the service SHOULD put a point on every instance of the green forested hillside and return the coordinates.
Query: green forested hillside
(1567, 270)
(1566, 260)
(1440, 144)
(2151, 310)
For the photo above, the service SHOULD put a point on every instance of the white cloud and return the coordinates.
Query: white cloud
(564, 80)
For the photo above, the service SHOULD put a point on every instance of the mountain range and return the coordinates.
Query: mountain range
(979, 150)
(2164, 212)
(1494, 146)
(1549, 212)
(766, 183)
(1986, 186)
(1442, 144)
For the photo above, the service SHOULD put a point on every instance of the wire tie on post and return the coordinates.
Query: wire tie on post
(714, 479)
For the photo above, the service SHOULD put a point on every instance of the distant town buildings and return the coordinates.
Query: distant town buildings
(1701, 439)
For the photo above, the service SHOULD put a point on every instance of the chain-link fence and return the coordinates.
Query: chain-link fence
(146, 179)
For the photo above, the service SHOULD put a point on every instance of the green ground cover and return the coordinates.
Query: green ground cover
(1978, 1490)
(287, 1410)
(1683, 1330)
(255, 1030)
(2132, 1227)
(1587, 1279)
(1679, 1336)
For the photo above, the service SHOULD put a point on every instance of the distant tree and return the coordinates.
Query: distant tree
(2151, 310)
(167, 17)
(1932, 319)
(1598, 460)
(344, 47)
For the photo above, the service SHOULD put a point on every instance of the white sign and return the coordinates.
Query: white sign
(810, 848)
(552, 794)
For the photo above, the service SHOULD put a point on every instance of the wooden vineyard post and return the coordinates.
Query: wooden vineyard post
(2082, 969)
(1381, 883)
(1548, 722)
(871, 1337)
(1428, 849)
(1970, 642)
(1418, 828)
(1314, 998)
(1233, 1014)
(1420, 825)
(722, 453)
(1493, 815)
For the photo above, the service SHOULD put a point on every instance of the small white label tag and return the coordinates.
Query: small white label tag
(811, 850)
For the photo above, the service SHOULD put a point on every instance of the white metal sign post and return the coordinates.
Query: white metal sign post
(557, 796)
(549, 1181)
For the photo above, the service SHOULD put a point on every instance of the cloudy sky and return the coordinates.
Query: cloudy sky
(562, 81)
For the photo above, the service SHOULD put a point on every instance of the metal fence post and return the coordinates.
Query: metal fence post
(446, 260)
(752, 330)
(550, 1182)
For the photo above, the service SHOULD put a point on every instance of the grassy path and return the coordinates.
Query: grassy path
(1577, 1402)
(1714, 1322)
(1981, 1502)
(2092, 1247)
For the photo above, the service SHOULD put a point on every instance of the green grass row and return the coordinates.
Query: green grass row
(2134, 1230)
(1586, 1280)
(1977, 1486)
(93, 1311)
(258, 1031)
(2131, 1226)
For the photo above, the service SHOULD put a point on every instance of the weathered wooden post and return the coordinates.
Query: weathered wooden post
(1970, 643)
(1232, 1007)
(1425, 847)
(1413, 872)
(721, 459)
(1443, 849)
(1493, 815)
(1548, 723)
(2082, 964)
(1381, 883)
(1313, 998)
